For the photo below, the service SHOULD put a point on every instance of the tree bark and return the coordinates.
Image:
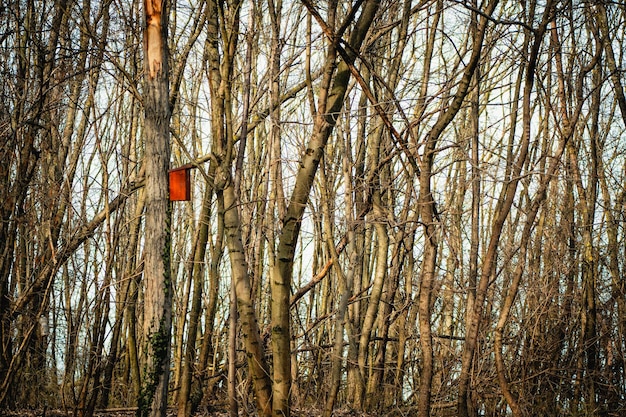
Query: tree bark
(157, 320)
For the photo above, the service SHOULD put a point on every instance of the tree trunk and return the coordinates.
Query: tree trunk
(427, 277)
(324, 123)
(185, 406)
(157, 319)
(259, 370)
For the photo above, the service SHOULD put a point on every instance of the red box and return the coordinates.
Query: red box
(180, 183)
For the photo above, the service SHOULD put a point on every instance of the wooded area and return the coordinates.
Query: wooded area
(398, 207)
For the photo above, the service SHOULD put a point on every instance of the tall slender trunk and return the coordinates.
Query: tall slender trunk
(345, 285)
(185, 404)
(124, 297)
(427, 277)
(428, 211)
(331, 102)
(232, 352)
(259, 371)
(371, 314)
(588, 349)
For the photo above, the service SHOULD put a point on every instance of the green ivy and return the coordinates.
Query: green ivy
(159, 343)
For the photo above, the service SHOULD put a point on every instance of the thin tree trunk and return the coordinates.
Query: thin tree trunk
(233, 406)
(259, 370)
(328, 107)
(428, 209)
(588, 351)
(185, 406)
(345, 285)
(427, 277)
(380, 275)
